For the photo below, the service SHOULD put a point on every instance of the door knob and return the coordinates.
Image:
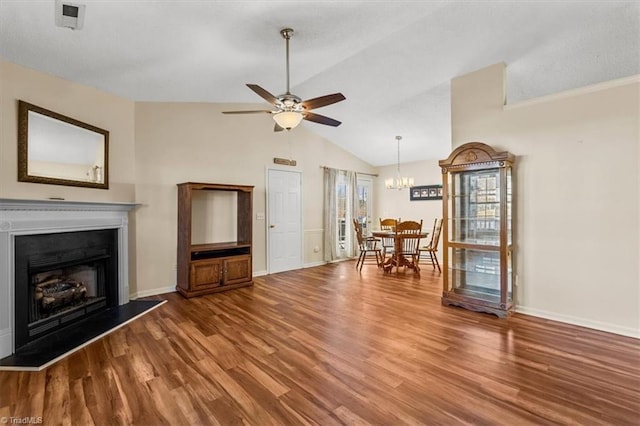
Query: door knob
(272, 226)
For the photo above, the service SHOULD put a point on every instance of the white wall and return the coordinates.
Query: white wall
(578, 192)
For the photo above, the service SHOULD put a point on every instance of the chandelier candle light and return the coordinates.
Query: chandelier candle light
(399, 182)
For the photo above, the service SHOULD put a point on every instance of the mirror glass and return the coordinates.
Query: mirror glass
(60, 150)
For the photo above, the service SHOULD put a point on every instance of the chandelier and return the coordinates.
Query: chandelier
(399, 182)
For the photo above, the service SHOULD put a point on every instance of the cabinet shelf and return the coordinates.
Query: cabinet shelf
(477, 205)
(219, 246)
(476, 269)
(477, 243)
(474, 194)
(220, 252)
(487, 294)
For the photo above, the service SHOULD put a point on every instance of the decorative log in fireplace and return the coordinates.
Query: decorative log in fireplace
(56, 292)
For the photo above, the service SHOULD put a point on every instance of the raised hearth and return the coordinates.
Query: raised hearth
(45, 351)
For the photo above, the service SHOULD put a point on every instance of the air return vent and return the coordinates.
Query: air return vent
(69, 15)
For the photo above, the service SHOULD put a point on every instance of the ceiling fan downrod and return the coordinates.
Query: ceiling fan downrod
(286, 34)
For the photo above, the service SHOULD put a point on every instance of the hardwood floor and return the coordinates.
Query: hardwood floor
(327, 346)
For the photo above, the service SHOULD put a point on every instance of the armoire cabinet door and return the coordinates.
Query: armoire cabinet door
(237, 269)
(206, 273)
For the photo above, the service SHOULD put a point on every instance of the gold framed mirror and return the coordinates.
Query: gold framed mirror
(60, 150)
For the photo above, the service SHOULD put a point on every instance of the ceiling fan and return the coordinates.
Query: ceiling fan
(290, 109)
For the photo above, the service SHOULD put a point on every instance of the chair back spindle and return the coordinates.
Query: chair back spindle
(388, 224)
(409, 233)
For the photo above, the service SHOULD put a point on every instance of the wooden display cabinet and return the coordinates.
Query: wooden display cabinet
(215, 267)
(478, 194)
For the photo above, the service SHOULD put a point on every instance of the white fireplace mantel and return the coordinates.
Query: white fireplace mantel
(30, 217)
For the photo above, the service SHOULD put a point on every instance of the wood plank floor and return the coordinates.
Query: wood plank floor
(330, 346)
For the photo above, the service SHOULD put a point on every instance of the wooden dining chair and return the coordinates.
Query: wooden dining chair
(368, 246)
(430, 251)
(387, 242)
(409, 227)
(407, 235)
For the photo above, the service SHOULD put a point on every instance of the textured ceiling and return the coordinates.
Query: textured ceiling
(393, 60)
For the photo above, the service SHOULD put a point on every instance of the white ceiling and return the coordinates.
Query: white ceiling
(393, 60)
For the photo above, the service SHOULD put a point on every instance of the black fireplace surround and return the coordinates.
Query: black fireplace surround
(62, 279)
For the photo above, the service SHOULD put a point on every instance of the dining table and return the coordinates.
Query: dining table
(398, 260)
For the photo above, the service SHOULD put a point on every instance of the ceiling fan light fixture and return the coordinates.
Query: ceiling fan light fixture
(288, 119)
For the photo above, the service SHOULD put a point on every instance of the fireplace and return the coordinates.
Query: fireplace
(81, 266)
(61, 279)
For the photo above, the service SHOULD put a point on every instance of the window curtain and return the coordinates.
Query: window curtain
(352, 212)
(330, 215)
(340, 204)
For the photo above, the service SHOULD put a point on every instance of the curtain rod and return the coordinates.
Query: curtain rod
(342, 170)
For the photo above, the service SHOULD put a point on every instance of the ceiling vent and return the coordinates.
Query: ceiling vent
(69, 15)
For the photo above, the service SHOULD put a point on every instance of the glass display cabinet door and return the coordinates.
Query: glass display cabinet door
(477, 209)
(475, 273)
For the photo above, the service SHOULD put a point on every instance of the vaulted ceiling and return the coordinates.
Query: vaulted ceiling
(393, 60)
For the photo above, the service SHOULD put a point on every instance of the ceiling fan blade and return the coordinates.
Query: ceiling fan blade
(248, 112)
(317, 118)
(263, 93)
(323, 101)
(277, 128)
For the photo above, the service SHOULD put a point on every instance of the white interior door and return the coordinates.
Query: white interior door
(284, 221)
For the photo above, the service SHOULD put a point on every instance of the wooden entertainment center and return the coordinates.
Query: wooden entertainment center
(214, 267)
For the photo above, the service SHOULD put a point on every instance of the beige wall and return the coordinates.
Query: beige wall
(154, 146)
(181, 142)
(395, 203)
(578, 181)
(83, 103)
(578, 192)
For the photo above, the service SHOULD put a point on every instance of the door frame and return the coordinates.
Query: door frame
(369, 179)
(266, 222)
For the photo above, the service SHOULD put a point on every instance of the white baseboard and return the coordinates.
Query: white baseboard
(582, 322)
(312, 264)
(346, 259)
(172, 289)
(152, 292)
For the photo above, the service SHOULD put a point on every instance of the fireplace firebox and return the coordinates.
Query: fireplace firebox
(61, 279)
